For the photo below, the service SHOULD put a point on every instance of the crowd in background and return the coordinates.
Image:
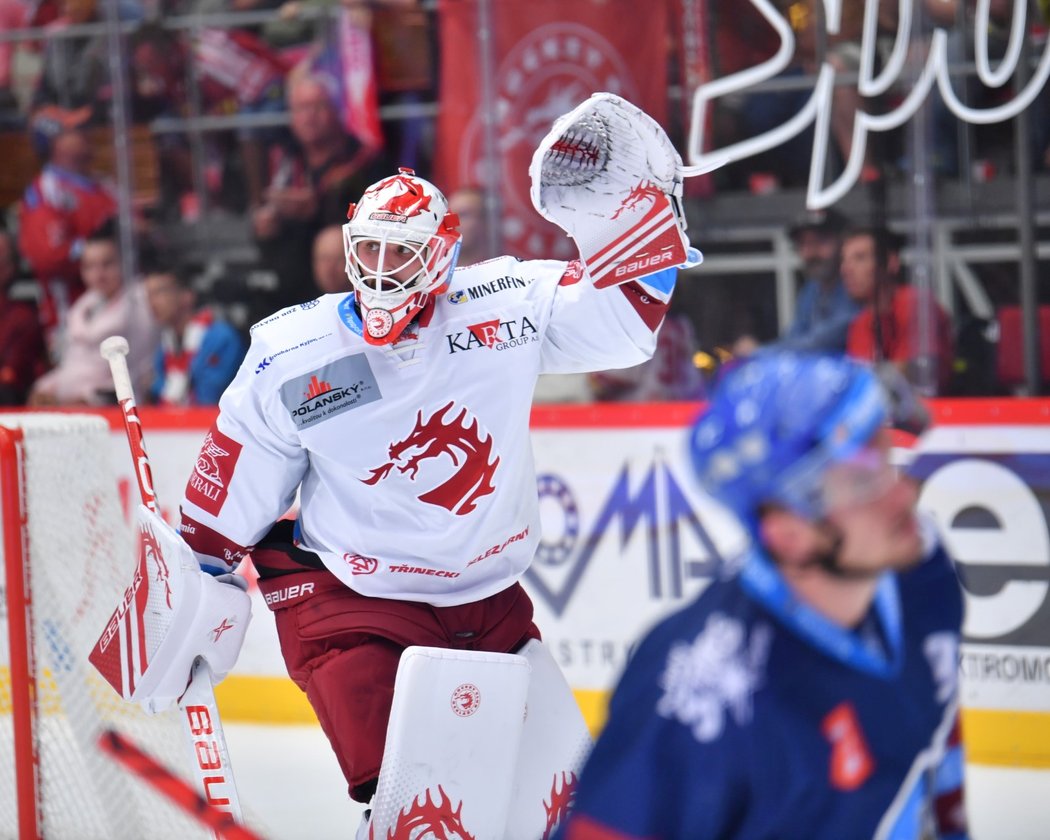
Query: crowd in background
(292, 167)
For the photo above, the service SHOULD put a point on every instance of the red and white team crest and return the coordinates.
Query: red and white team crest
(573, 273)
(469, 452)
(466, 699)
(379, 322)
(361, 565)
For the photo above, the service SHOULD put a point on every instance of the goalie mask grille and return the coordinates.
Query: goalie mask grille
(579, 155)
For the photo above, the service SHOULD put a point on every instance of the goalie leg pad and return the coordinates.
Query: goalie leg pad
(452, 744)
(554, 746)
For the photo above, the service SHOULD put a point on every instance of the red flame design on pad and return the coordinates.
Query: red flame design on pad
(459, 440)
(561, 802)
(427, 815)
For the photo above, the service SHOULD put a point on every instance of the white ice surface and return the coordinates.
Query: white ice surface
(290, 783)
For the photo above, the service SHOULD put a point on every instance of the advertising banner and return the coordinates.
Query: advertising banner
(628, 537)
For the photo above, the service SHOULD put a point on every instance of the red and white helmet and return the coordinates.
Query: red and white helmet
(401, 246)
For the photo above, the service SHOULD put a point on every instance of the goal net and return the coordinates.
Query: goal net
(62, 526)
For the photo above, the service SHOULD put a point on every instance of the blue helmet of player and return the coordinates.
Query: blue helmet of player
(777, 423)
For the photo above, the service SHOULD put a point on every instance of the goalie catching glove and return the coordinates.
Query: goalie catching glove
(608, 175)
(172, 614)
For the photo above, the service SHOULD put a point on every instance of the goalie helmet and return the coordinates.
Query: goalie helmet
(401, 245)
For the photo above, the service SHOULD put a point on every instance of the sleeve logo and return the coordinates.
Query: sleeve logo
(213, 472)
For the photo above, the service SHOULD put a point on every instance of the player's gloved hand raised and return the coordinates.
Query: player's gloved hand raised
(608, 175)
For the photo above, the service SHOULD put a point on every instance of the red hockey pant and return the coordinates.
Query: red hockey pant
(343, 649)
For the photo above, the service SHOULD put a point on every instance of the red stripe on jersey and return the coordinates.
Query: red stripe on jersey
(584, 828)
(212, 544)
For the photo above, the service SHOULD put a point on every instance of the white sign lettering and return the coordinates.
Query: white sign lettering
(817, 110)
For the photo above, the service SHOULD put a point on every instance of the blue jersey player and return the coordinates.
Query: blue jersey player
(811, 691)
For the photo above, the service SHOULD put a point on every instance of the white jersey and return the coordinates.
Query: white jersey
(413, 462)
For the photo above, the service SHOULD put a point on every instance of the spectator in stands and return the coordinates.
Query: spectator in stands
(329, 262)
(108, 307)
(239, 73)
(198, 353)
(157, 71)
(14, 14)
(311, 184)
(62, 205)
(890, 327)
(22, 356)
(669, 376)
(74, 88)
(823, 310)
(469, 204)
(763, 111)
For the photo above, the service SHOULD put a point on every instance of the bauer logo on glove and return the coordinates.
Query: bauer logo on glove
(607, 174)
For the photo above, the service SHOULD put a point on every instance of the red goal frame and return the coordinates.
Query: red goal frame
(20, 639)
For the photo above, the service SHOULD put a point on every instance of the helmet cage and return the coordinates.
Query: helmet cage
(381, 282)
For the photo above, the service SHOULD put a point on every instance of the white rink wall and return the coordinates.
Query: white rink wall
(628, 537)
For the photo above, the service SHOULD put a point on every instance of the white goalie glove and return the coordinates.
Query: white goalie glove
(608, 175)
(172, 615)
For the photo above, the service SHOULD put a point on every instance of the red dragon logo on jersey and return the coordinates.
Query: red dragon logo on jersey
(561, 802)
(645, 191)
(436, 820)
(409, 202)
(462, 443)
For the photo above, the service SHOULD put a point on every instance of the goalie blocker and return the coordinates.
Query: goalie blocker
(171, 615)
(608, 175)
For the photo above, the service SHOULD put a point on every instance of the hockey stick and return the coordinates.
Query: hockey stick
(166, 782)
(198, 711)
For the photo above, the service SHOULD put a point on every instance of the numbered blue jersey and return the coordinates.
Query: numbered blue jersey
(748, 715)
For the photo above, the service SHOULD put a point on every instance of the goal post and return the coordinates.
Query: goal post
(68, 556)
(18, 608)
